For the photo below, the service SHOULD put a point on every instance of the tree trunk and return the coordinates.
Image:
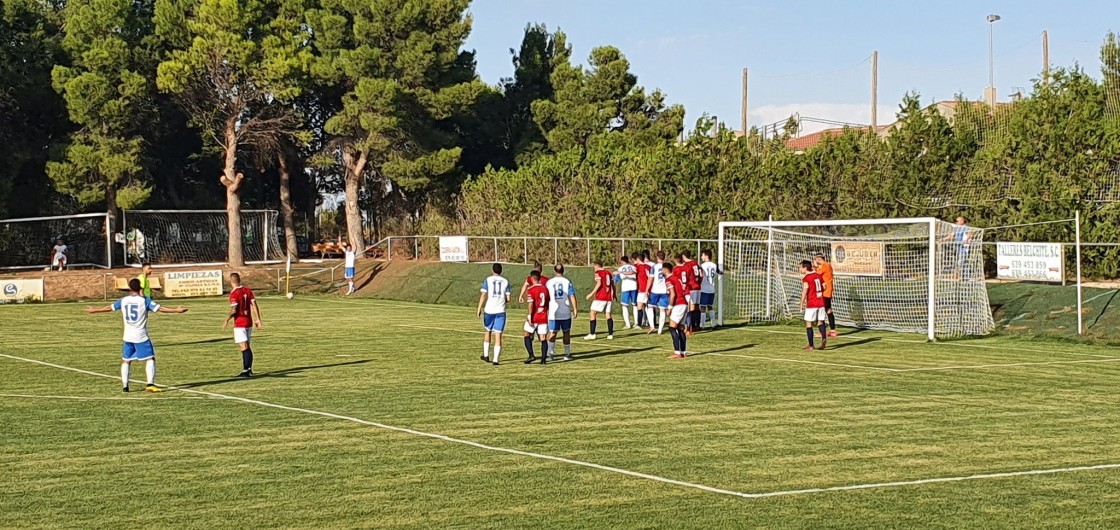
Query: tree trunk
(232, 182)
(353, 180)
(286, 205)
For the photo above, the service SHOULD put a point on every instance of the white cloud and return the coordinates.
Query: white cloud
(842, 112)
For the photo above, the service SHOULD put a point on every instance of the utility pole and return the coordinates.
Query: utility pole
(746, 78)
(875, 91)
(1045, 58)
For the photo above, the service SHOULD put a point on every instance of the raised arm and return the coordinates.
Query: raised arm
(179, 309)
(95, 310)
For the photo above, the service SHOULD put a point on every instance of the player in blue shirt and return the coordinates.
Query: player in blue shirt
(137, 344)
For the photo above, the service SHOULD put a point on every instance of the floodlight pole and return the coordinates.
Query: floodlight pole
(990, 93)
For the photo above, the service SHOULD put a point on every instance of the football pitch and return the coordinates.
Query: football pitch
(377, 414)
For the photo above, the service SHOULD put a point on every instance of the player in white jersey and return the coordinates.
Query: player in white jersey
(562, 309)
(58, 255)
(708, 289)
(492, 309)
(658, 293)
(351, 262)
(137, 344)
(628, 276)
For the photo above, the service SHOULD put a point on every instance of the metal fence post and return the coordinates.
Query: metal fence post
(623, 246)
(416, 248)
(555, 251)
(389, 251)
(495, 250)
(525, 254)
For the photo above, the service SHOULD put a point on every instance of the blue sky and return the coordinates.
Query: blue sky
(804, 56)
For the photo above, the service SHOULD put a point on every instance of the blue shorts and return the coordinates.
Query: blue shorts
(659, 300)
(138, 351)
(494, 322)
(707, 299)
(560, 325)
(349, 272)
(629, 297)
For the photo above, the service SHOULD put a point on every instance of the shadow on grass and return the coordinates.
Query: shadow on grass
(193, 342)
(369, 277)
(593, 354)
(730, 349)
(839, 345)
(287, 372)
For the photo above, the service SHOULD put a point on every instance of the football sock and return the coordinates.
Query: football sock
(568, 349)
(497, 353)
(661, 322)
(551, 348)
(626, 316)
(684, 342)
(594, 324)
(610, 326)
(125, 368)
(676, 341)
(636, 324)
(703, 319)
(809, 334)
(150, 370)
(486, 349)
(649, 317)
(824, 331)
(247, 359)
(529, 344)
(712, 318)
(831, 321)
(544, 348)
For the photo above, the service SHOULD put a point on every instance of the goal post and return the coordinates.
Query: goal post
(197, 237)
(26, 243)
(912, 275)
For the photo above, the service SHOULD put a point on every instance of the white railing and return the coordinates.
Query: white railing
(526, 249)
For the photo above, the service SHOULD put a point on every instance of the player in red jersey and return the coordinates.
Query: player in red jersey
(678, 311)
(536, 323)
(643, 269)
(694, 275)
(812, 301)
(604, 295)
(243, 305)
(528, 281)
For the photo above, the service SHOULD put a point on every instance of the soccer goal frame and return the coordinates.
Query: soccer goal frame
(269, 242)
(62, 225)
(770, 225)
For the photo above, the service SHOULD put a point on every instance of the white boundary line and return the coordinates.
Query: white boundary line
(591, 465)
(1009, 365)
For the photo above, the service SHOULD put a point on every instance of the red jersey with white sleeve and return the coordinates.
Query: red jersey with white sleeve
(643, 276)
(692, 267)
(606, 286)
(242, 300)
(538, 304)
(814, 296)
(679, 291)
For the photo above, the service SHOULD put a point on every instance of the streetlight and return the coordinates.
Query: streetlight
(990, 93)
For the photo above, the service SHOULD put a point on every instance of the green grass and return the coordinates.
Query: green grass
(755, 414)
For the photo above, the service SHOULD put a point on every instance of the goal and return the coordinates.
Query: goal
(26, 243)
(197, 237)
(916, 275)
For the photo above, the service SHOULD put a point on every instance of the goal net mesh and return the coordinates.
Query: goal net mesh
(27, 243)
(184, 237)
(881, 275)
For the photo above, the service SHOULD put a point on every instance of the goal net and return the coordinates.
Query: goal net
(27, 243)
(181, 237)
(917, 275)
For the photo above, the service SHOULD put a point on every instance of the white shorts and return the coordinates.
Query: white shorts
(815, 314)
(600, 306)
(643, 298)
(538, 329)
(242, 335)
(677, 313)
(694, 297)
(59, 260)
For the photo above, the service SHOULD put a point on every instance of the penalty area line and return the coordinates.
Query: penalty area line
(600, 467)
